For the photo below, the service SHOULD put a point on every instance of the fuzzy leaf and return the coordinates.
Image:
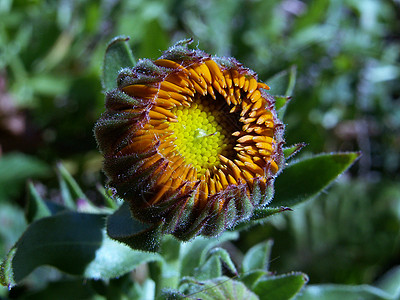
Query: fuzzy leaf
(114, 259)
(220, 288)
(305, 178)
(280, 287)
(118, 55)
(250, 278)
(67, 241)
(121, 226)
(260, 215)
(75, 243)
(225, 258)
(6, 270)
(289, 152)
(171, 294)
(348, 292)
(257, 257)
(196, 251)
(212, 268)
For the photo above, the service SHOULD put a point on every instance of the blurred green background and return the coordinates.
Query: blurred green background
(347, 98)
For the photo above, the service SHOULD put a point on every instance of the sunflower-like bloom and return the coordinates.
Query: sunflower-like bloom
(192, 142)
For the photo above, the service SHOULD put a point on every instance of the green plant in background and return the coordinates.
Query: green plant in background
(336, 225)
(71, 236)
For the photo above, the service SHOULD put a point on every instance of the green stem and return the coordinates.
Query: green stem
(167, 273)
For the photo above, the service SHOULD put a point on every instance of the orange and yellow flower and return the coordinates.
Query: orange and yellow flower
(192, 142)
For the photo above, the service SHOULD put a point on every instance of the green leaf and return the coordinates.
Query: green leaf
(63, 290)
(282, 86)
(75, 243)
(225, 258)
(348, 292)
(292, 81)
(72, 195)
(73, 186)
(289, 152)
(171, 294)
(305, 178)
(220, 288)
(280, 287)
(36, 207)
(20, 167)
(67, 241)
(257, 257)
(121, 226)
(250, 278)
(283, 82)
(118, 55)
(194, 253)
(280, 105)
(67, 198)
(6, 270)
(260, 215)
(12, 225)
(390, 282)
(212, 267)
(142, 291)
(114, 259)
(70, 189)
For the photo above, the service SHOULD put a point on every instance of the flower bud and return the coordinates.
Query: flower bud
(191, 141)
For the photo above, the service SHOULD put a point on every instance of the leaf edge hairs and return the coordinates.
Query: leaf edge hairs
(145, 165)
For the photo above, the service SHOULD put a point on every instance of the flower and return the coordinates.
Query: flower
(192, 142)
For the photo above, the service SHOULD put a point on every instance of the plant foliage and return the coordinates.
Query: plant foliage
(333, 67)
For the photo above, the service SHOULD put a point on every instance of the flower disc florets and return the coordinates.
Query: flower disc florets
(191, 142)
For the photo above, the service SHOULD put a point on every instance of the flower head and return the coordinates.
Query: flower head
(192, 142)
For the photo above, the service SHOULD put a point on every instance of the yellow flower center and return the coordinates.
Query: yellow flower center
(201, 133)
